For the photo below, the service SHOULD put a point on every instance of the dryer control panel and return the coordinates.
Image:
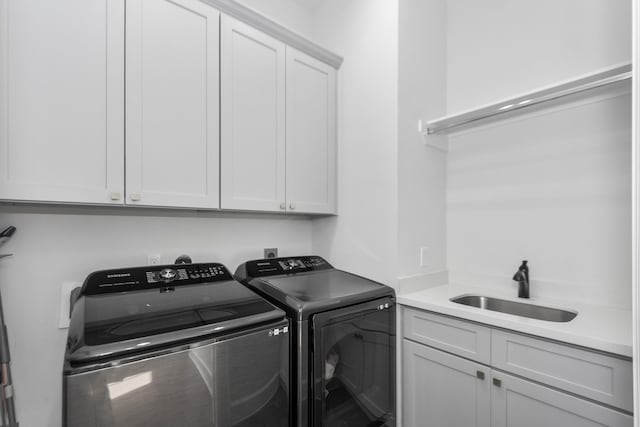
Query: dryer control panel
(277, 266)
(150, 277)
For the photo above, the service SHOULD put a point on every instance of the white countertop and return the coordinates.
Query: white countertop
(601, 328)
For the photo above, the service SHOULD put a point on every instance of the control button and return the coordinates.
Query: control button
(291, 264)
(168, 275)
(194, 275)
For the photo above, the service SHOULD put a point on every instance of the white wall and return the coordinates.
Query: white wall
(498, 48)
(552, 187)
(56, 244)
(293, 14)
(636, 209)
(363, 238)
(421, 169)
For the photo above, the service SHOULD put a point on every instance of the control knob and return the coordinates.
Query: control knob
(168, 275)
(291, 264)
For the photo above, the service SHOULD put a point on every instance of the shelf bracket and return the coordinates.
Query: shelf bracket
(437, 142)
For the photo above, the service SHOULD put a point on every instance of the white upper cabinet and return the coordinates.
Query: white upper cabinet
(62, 101)
(252, 118)
(311, 134)
(172, 98)
(193, 109)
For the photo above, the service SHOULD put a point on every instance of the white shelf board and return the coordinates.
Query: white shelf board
(583, 85)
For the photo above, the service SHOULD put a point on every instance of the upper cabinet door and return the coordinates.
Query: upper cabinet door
(62, 100)
(311, 134)
(172, 100)
(253, 119)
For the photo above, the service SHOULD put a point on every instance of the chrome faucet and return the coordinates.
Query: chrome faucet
(522, 277)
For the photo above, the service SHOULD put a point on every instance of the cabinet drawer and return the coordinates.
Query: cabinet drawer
(454, 336)
(593, 375)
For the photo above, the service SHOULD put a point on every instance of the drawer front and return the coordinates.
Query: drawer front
(454, 336)
(592, 375)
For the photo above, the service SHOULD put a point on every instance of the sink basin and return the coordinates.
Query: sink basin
(517, 308)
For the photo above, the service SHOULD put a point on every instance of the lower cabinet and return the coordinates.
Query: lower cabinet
(440, 390)
(525, 382)
(516, 402)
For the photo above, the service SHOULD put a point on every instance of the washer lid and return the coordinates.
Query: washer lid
(308, 289)
(104, 325)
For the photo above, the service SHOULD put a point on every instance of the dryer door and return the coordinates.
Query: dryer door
(240, 380)
(354, 366)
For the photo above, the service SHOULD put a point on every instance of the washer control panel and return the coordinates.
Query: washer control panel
(163, 277)
(277, 266)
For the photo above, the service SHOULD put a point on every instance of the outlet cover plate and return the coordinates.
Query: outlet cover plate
(270, 253)
(424, 256)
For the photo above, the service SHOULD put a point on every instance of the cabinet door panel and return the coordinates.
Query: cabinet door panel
(253, 118)
(602, 378)
(520, 403)
(172, 103)
(62, 100)
(442, 390)
(311, 134)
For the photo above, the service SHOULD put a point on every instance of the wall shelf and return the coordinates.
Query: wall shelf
(580, 86)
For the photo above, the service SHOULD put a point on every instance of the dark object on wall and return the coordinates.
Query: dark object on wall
(183, 259)
(6, 386)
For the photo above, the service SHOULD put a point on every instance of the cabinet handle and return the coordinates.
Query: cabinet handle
(135, 197)
(292, 206)
(480, 375)
(497, 382)
(115, 196)
(283, 206)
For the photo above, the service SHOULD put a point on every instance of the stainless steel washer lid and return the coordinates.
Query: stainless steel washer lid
(109, 324)
(304, 286)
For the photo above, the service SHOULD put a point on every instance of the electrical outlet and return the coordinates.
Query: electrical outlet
(271, 252)
(65, 303)
(154, 259)
(424, 256)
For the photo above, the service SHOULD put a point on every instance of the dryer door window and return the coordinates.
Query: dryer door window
(354, 366)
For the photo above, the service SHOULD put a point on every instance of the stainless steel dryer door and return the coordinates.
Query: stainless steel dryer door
(354, 366)
(241, 381)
